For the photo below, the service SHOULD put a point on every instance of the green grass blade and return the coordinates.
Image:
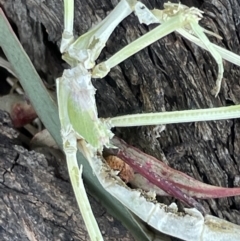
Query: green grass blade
(29, 78)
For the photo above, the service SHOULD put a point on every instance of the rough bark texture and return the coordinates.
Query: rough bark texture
(36, 199)
(171, 74)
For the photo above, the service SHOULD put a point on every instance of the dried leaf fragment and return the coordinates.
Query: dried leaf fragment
(125, 171)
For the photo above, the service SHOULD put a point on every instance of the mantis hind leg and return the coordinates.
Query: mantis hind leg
(67, 36)
(198, 30)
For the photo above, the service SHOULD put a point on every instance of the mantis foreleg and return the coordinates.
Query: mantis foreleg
(69, 137)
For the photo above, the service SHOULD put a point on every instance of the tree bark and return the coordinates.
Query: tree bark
(36, 198)
(171, 74)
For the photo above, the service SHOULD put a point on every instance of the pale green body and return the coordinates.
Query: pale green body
(81, 126)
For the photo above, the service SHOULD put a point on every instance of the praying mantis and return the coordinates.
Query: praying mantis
(163, 218)
(81, 127)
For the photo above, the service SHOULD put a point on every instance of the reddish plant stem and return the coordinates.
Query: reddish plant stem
(159, 181)
(173, 182)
